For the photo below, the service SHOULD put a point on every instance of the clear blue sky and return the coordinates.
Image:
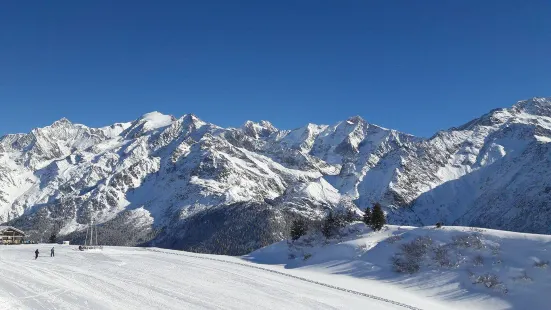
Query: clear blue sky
(416, 66)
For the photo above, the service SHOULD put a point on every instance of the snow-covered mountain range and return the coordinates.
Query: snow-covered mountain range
(186, 183)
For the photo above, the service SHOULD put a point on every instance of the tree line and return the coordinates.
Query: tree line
(334, 221)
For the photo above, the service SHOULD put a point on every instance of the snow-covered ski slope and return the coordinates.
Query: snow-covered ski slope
(140, 278)
(447, 268)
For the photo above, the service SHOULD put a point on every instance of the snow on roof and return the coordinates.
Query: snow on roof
(3, 228)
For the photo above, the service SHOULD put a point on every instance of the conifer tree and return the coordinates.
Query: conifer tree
(350, 216)
(367, 216)
(298, 229)
(378, 219)
(329, 225)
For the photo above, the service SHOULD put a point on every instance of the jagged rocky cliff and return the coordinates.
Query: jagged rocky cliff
(185, 183)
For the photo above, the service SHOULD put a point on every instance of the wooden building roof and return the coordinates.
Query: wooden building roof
(4, 228)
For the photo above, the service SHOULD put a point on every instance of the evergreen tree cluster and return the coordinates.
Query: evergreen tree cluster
(53, 238)
(334, 221)
(375, 218)
(330, 225)
(298, 228)
(367, 216)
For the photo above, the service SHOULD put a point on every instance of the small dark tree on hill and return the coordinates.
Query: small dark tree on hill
(341, 219)
(378, 219)
(350, 216)
(346, 206)
(367, 216)
(330, 225)
(298, 229)
(53, 237)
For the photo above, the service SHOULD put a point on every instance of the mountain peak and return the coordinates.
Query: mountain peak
(355, 120)
(60, 122)
(535, 106)
(266, 124)
(190, 117)
(262, 129)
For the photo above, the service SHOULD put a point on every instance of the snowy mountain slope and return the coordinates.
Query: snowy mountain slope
(186, 183)
(459, 267)
(501, 181)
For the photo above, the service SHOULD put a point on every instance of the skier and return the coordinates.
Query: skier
(52, 253)
(36, 254)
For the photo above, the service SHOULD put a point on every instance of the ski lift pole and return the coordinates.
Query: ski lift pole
(86, 239)
(92, 233)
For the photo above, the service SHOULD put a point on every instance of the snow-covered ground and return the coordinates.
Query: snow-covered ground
(458, 267)
(138, 278)
(452, 268)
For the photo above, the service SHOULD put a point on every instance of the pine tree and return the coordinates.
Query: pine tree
(329, 225)
(347, 206)
(367, 216)
(350, 216)
(53, 237)
(378, 219)
(298, 229)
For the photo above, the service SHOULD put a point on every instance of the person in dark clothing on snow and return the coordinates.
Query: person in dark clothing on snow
(52, 253)
(36, 254)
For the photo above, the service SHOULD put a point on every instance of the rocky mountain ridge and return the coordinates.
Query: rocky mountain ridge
(186, 183)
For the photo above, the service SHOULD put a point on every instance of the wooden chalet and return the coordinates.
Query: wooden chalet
(11, 235)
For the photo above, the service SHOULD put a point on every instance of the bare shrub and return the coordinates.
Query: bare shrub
(478, 260)
(292, 256)
(404, 264)
(490, 281)
(307, 256)
(476, 229)
(468, 241)
(495, 249)
(542, 264)
(524, 277)
(442, 257)
(417, 248)
(408, 260)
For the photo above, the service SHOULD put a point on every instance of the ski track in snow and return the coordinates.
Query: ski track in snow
(295, 277)
(136, 278)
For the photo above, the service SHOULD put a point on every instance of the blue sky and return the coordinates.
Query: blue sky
(415, 66)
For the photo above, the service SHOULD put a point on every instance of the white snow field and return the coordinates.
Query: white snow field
(452, 267)
(139, 278)
(447, 268)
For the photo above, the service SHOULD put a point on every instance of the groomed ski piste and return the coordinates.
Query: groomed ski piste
(480, 269)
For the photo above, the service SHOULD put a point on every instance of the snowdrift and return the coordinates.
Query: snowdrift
(458, 266)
